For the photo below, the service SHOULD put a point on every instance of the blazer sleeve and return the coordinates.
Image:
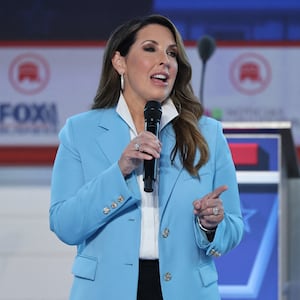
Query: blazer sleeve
(79, 208)
(230, 231)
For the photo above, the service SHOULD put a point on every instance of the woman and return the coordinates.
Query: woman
(134, 244)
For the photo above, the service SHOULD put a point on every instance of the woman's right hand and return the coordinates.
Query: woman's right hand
(143, 147)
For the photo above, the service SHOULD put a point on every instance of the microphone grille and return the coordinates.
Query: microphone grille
(206, 47)
(153, 110)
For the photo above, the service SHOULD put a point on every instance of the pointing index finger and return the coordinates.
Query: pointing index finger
(218, 191)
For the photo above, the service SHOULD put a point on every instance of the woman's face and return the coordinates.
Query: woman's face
(151, 65)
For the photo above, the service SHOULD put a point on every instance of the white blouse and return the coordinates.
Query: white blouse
(149, 201)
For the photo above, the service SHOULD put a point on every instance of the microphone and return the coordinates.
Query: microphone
(152, 115)
(206, 47)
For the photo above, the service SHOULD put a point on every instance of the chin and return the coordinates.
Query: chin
(159, 97)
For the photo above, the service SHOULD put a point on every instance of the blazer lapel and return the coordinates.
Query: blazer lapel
(169, 172)
(112, 135)
(112, 138)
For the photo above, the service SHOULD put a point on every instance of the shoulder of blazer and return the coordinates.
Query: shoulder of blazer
(208, 121)
(209, 126)
(96, 118)
(93, 116)
(88, 122)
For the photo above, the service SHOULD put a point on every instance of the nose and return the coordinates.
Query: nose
(164, 59)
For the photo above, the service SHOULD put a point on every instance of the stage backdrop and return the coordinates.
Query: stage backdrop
(42, 84)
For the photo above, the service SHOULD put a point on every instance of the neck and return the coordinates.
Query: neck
(137, 114)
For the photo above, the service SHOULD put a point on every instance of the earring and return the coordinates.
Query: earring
(122, 81)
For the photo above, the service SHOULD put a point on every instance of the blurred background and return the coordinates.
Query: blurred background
(94, 20)
(50, 61)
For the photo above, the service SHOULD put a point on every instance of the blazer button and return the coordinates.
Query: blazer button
(167, 276)
(114, 205)
(120, 199)
(215, 253)
(166, 232)
(106, 210)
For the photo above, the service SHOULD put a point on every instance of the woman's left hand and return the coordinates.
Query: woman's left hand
(209, 209)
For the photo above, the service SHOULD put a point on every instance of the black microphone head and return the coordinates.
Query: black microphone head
(206, 47)
(153, 110)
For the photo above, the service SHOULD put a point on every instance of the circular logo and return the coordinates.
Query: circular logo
(250, 73)
(29, 73)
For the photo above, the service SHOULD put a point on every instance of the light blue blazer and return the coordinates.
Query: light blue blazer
(95, 208)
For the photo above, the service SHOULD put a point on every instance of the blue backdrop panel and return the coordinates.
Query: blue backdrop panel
(251, 270)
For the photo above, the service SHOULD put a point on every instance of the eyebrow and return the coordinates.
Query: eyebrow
(155, 42)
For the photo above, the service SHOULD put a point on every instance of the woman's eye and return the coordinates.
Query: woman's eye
(172, 53)
(149, 49)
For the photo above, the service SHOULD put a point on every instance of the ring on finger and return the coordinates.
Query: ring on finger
(137, 147)
(215, 210)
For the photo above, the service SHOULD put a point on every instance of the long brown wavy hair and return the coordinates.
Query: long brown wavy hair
(188, 136)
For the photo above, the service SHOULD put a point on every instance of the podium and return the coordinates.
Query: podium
(265, 158)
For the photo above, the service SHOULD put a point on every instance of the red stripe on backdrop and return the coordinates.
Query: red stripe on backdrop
(27, 155)
(249, 43)
(36, 155)
(298, 152)
(46, 44)
(187, 43)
